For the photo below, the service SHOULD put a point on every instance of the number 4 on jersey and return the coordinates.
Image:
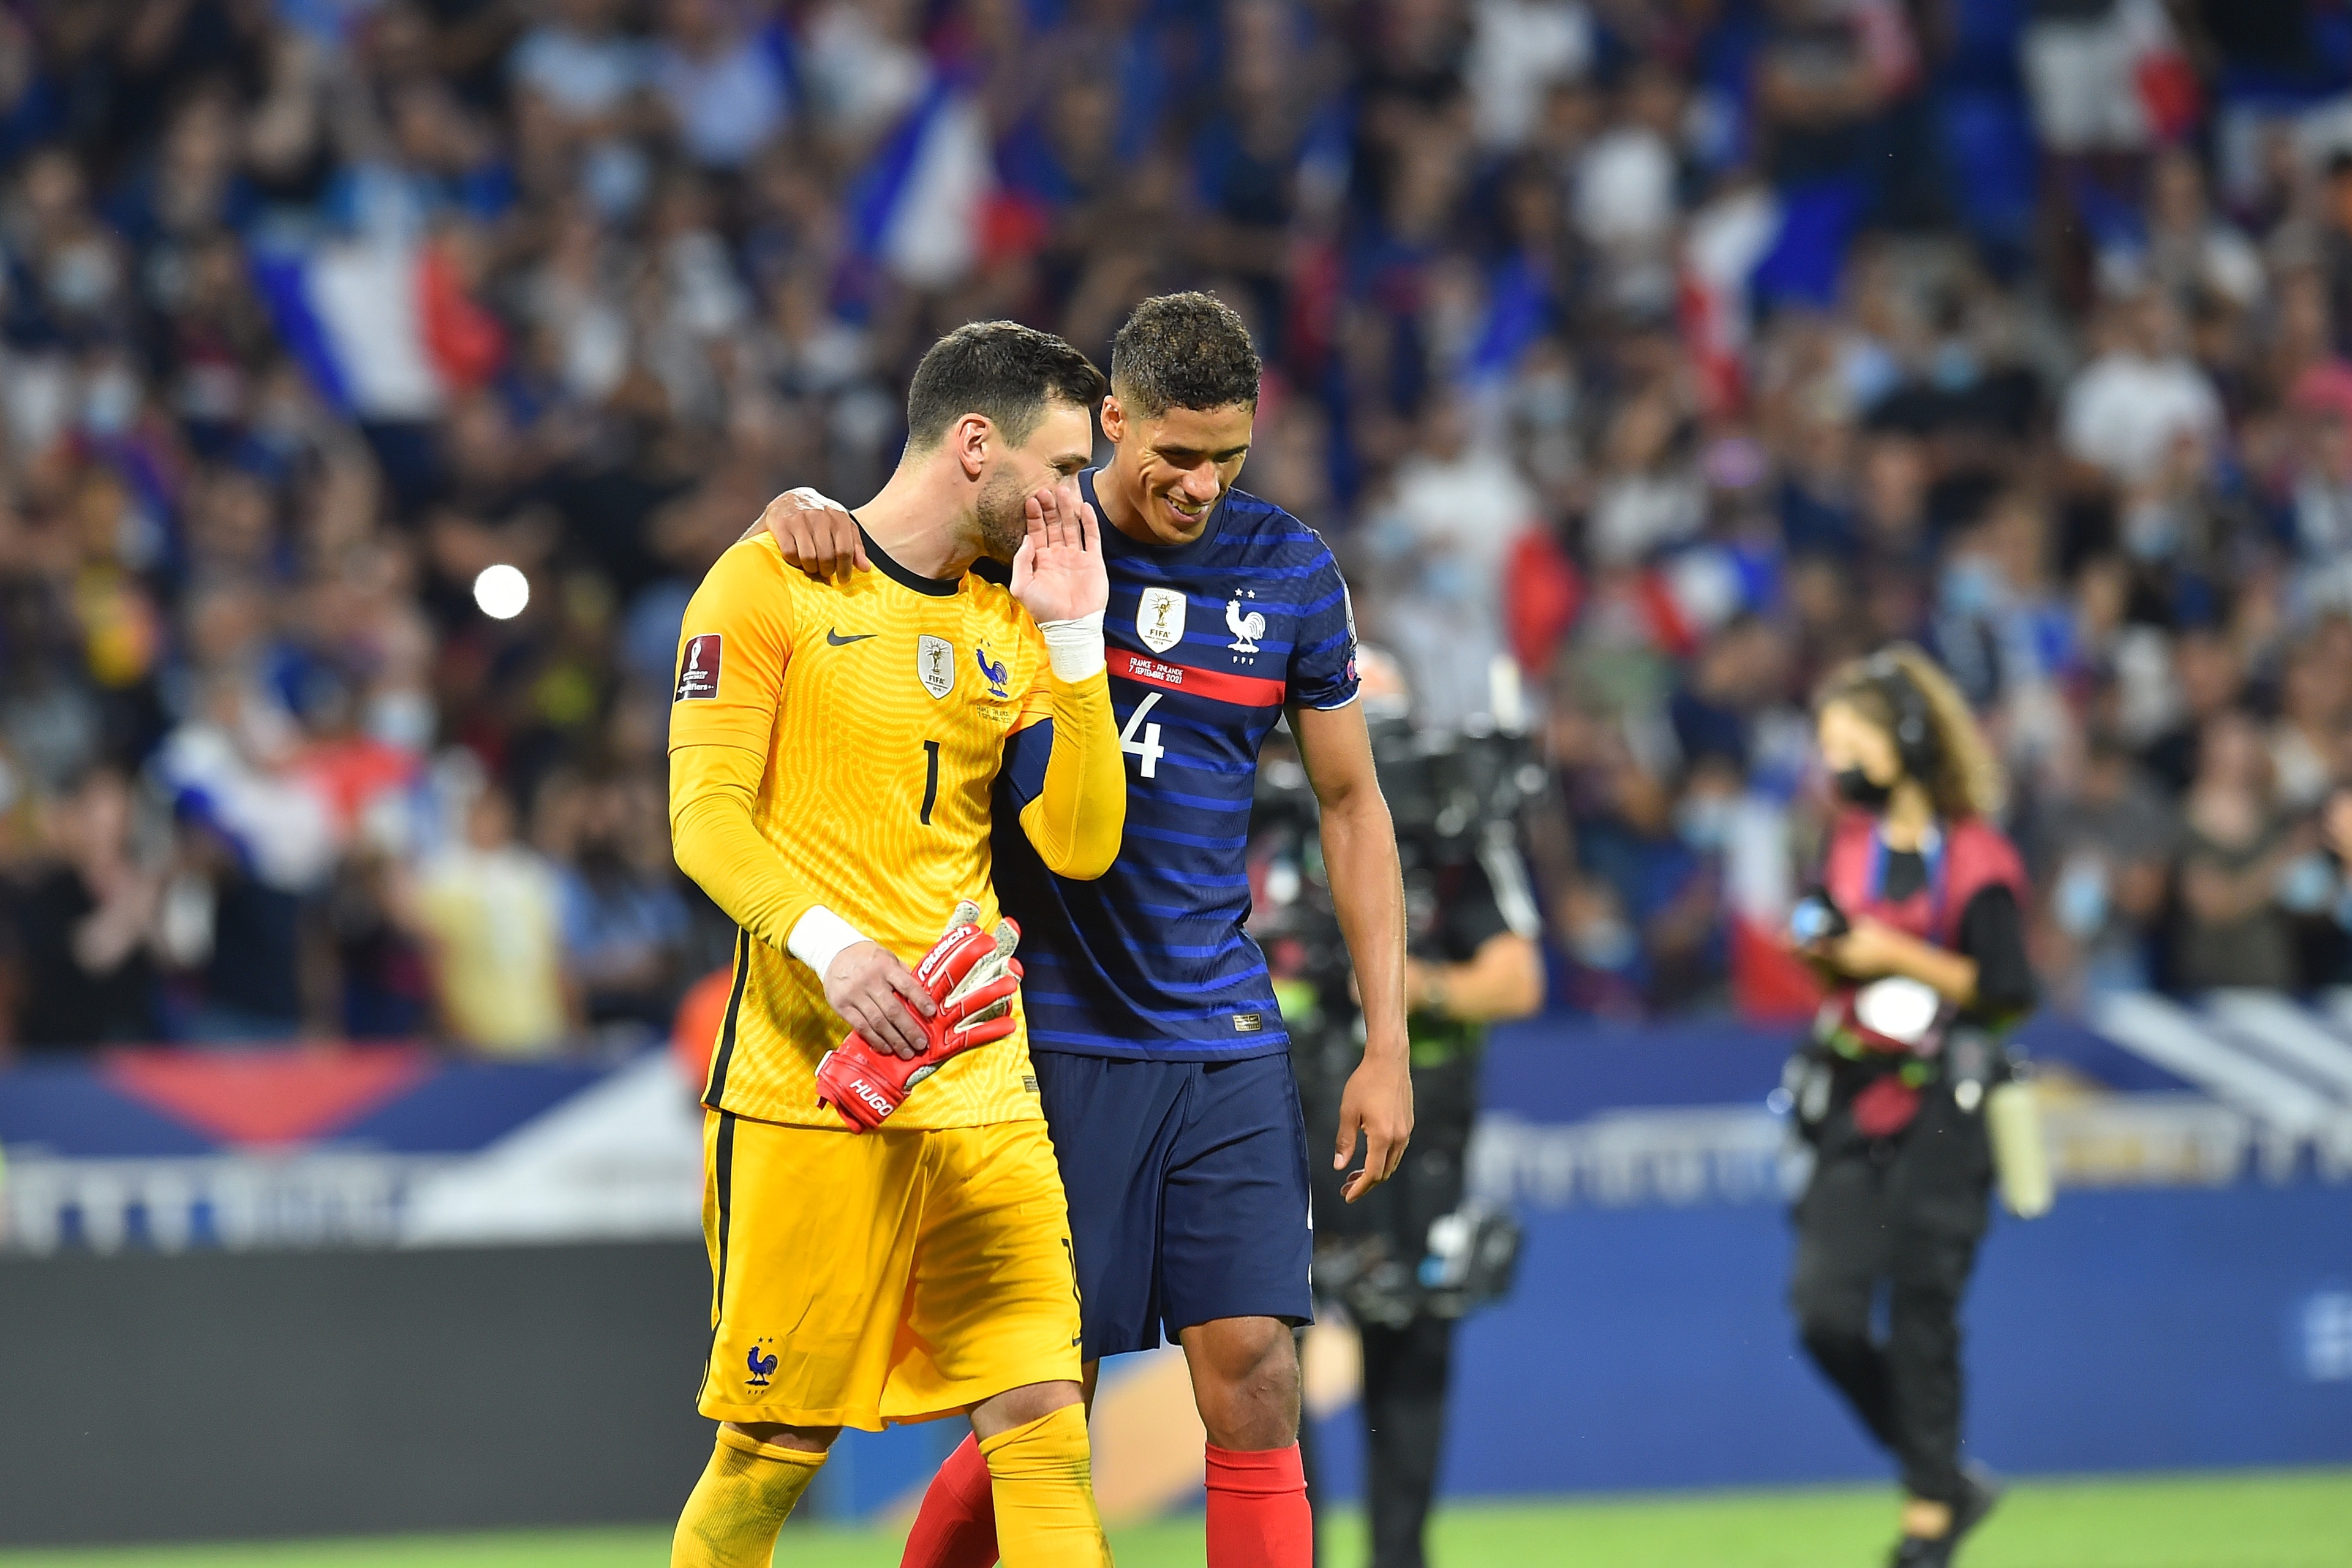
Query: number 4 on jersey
(1149, 747)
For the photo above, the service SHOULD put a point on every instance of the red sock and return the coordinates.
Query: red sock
(1258, 1516)
(956, 1527)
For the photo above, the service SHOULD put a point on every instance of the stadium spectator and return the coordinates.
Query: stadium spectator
(2238, 853)
(625, 923)
(86, 971)
(491, 912)
(1594, 333)
(2105, 858)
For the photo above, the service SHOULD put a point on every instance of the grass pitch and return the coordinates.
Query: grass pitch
(2290, 1519)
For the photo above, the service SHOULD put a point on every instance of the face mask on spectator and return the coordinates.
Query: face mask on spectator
(110, 401)
(2080, 899)
(1448, 578)
(1606, 942)
(2151, 530)
(402, 716)
(1547, 401)
(1703, 821)
(81, 277)
(2306, 885)
(1954, 368)
(1858, 788)
(1970, 587)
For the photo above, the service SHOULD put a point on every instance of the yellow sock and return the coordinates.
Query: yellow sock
(1042, 1477)
(739, 1503)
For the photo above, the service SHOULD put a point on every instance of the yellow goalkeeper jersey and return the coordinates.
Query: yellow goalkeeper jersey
(836, 742)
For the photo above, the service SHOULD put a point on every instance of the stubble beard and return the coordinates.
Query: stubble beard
(1002, 515)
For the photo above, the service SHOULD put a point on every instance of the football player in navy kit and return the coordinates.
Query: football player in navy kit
(1160, 1054)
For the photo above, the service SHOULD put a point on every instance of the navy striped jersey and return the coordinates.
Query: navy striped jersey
(1207, 642)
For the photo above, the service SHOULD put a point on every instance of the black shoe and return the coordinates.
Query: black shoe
(1981, 1490)
(1921, 1552)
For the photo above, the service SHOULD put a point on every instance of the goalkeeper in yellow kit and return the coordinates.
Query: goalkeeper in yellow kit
(887, 1234)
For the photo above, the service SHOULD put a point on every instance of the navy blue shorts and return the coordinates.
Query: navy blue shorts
(1187, 1183)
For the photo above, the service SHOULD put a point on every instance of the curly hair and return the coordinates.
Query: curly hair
(1002, 370)
(1964, 778)
(1183, 350)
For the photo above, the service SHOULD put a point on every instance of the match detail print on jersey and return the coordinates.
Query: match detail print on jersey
(698, 675)
(1222, 686)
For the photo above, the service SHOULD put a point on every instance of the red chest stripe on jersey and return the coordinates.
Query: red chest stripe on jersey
(1245, 690)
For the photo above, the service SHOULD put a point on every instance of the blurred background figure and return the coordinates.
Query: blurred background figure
(1919, 928)
(87, 972)
(1674, 359)
(492, 911)
(1406, 1262)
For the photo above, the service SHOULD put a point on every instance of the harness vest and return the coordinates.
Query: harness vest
(1894, 1027)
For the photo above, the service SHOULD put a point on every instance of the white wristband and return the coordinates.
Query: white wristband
(819, 936)
(1074, 647)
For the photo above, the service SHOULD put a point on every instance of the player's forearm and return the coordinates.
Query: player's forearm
(1078, 818)
(1360, 856)
(718, 843)
(1504, 980)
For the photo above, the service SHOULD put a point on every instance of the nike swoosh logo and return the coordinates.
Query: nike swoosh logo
(838, 640)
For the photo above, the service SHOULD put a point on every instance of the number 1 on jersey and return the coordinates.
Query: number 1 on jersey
(930, 779)
(1149, 747)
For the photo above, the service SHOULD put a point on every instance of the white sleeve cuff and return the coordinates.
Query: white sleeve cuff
(818, 938)
(1074, 647)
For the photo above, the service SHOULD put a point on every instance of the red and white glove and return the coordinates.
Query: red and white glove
(973, 976)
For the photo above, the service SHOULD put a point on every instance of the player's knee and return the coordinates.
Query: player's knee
(1830, 1320)
(775, 1434)
(1246, 1381)
(1020, 1406)
(1828, 1309)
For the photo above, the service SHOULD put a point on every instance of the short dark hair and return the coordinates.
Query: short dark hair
(1002, 370)
(1184, 350)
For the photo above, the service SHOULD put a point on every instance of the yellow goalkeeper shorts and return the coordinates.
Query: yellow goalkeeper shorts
(898, 1275)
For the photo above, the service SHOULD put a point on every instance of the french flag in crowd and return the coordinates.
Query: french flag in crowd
(923, 206)
(1786, 245)
(382, 326)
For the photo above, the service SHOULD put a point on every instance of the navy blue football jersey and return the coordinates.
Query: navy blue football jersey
(1207, 643)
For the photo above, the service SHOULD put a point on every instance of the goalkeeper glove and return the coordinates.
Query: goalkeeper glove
(972, 975)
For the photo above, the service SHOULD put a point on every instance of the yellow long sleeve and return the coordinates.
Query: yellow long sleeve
(718, 843)
(1078, 818)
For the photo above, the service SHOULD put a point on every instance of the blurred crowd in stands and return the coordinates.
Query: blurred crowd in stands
(1670, 350)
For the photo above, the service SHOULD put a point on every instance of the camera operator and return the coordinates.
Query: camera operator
(1410, 1259)
(1918, 929)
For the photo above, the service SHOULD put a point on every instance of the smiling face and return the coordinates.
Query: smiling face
(1171, 469)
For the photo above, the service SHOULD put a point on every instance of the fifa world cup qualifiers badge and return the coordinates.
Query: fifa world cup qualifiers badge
(698, 675)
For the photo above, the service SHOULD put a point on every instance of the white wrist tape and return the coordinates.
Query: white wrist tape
(817, 498)
(1074, 647)
(819, 936)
